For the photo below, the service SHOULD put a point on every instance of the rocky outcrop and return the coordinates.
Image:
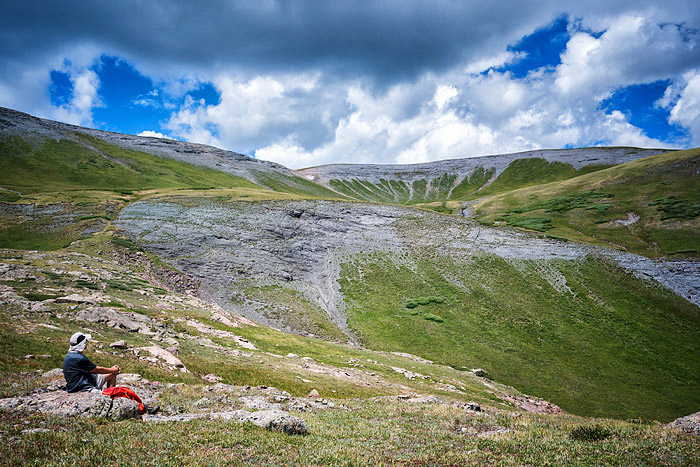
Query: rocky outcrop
(272, 420)
(77, 404)
(688, 424)
(114, 318)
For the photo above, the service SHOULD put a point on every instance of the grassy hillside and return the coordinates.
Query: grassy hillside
(50, 165)
(649, 206)
(584, 334)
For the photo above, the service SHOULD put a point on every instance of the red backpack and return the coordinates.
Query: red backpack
(123, 391)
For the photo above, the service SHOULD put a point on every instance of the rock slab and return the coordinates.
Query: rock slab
(77, 404)
(272, 420)
(689, 423)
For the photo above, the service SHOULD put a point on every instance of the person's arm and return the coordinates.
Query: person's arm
(104, 371)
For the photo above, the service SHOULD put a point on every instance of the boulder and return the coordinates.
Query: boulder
(273, 420)
(313, 394)
(119, 345)
(77, 404)
(74, 298)
(161, 354)
(114, 318)
(688, 424)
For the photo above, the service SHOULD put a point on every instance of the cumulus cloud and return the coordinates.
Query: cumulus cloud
(78, 110)
(154, 134)
(684, 103)
(633, 49)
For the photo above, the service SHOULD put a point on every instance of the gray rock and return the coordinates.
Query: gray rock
(313, 394)
(119, 345)
(78, 404)
(688, 424)
(258, 403)
(114, 318)
(273, 420)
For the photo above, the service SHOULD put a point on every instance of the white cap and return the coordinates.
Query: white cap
(79, 337)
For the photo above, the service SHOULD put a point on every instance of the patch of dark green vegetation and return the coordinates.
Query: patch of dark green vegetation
(39, 297)
(674, 208)
(538, 224)
(87, 284)
(433, 317)
(589, 433)
(6, 197)
(126, 243)
(414, 302)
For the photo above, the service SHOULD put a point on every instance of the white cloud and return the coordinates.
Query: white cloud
(499, 60)
(684, 102)
(633, 49)
(79, 110)
(154, 134)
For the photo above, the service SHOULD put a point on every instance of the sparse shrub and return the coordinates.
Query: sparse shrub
(126, 243)
(86, 284)
(433, 317)
(673, 208)
(589, 433)
(119, 285)
(414, 302)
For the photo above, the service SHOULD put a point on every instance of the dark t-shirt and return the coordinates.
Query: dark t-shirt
(76, 369)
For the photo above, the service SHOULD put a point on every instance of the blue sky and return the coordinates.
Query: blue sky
(306, 83)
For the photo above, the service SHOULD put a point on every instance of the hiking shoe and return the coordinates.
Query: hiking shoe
(152, 410)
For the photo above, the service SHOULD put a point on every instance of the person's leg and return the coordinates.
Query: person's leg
(110, 380)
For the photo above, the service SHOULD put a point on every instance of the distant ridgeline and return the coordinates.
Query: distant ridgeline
(466, 179)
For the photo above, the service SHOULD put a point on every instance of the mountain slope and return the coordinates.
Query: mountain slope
(38, 132)
(465, 179)
(650, 206)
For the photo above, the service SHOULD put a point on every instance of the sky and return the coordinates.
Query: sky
(307, 83)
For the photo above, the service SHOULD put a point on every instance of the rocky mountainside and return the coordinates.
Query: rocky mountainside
(441, 180)
(263, 173)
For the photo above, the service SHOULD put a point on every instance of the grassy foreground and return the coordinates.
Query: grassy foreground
(365, 433)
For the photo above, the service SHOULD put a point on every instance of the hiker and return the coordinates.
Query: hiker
(84, 376)
(81, 374)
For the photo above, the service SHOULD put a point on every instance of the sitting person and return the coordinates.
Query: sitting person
(83, 375)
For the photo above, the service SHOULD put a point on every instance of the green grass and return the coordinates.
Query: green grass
(613, 346)
(663, 190)
(379, 433)
(61, 165)
(468, 187)
(533, 171)
(294, 185)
